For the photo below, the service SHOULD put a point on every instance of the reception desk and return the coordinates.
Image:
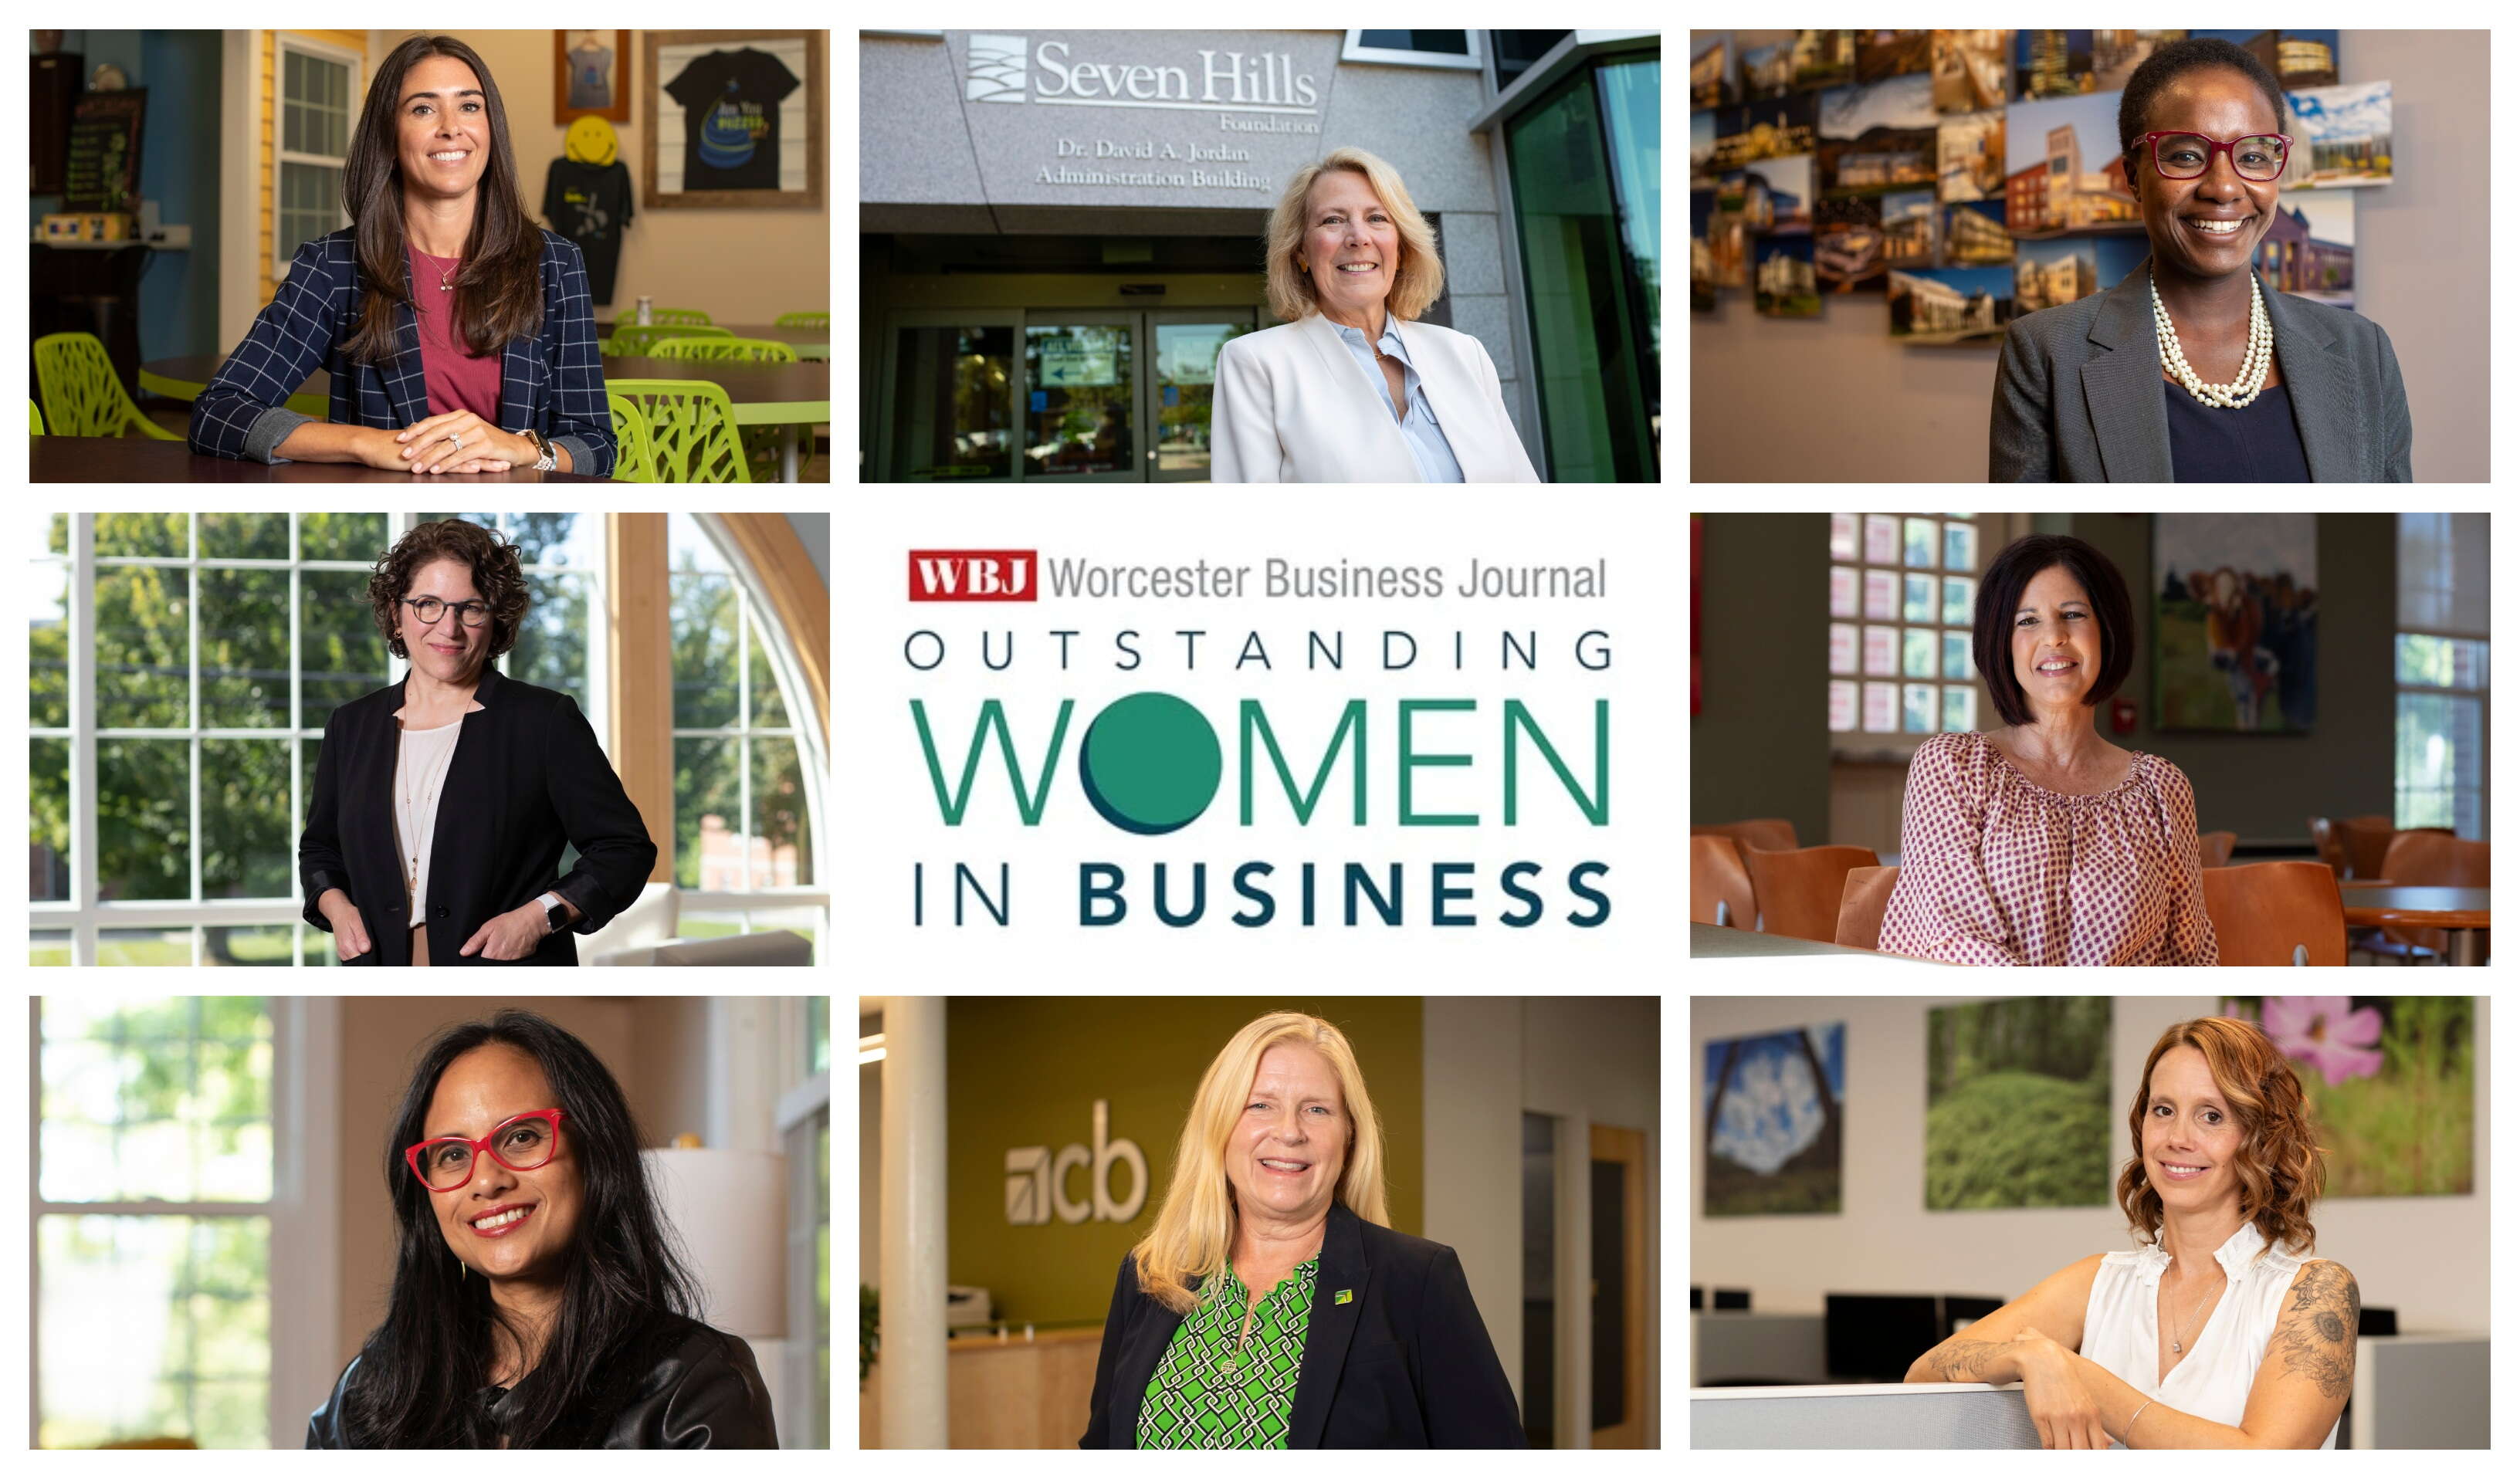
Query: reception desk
(2410, 1392)
(1007, 1394)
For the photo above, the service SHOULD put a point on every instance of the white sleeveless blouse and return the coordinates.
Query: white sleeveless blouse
(2122, 1327)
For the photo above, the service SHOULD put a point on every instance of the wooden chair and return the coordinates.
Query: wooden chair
(2367, 844)
(2277, 913)
(1719, 887)
(1775, 834)
(2214, 849)
(2429, 857)
(2331, 849)
(1866, 900)
(1799, 891)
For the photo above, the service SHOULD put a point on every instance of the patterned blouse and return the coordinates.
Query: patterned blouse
(1216, 1388)
(1994, 871)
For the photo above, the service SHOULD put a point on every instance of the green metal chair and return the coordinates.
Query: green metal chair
(635, 462)
(82, 396)
(639, 339)
(690, 429)
(759, 351)
(818, 319)
(676, 316)
(37, 412)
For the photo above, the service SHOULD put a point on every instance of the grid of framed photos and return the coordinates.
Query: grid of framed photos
(1902, 606)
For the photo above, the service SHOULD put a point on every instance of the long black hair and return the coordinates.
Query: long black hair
(501, 279)
(420, 1368)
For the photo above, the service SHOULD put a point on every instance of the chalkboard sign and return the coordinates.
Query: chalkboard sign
(104, 171)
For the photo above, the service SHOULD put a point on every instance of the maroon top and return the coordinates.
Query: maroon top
(457, 380)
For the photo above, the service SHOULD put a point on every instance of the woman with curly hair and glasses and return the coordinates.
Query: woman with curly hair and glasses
(442, 805)
(2221, 1331)
(538, 1297)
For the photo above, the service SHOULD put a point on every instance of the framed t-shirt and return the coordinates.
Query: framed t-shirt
(739, 117)
(730, 100)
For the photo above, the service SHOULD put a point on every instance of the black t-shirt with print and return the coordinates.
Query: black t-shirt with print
(731, 118)
(590, 205)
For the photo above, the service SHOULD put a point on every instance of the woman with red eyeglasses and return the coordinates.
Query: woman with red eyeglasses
(2212, 361)
(536, 1300)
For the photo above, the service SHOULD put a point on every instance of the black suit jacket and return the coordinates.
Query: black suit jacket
(526, 780)
(1406, 1363)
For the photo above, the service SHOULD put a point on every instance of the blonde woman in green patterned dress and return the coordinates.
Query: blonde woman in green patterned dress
(1272, 1306)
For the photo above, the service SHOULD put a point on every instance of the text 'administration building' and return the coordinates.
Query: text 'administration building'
(1059, 229)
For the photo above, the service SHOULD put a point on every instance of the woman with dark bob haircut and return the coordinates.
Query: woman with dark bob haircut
(458, 333)
(538, 1301)
(2221, 1332)
(2040, 844)
(442, 805)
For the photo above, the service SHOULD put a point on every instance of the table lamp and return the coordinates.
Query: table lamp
(738, 1198)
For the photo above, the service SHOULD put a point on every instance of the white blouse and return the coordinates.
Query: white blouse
(2122, 1327)
(420, 780)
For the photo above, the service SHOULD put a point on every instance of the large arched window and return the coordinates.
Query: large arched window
(749, 751)
(182, 667)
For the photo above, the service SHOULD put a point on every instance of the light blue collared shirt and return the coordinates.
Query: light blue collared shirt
(1425, 438)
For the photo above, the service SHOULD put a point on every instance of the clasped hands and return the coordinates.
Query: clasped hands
(2066, 1416)
(431, 445)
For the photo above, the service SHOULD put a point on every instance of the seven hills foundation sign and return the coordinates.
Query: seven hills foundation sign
(1143, 118)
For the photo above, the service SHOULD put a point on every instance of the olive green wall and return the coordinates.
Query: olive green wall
(1026, 1071)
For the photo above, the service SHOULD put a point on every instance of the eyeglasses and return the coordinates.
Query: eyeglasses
(521, 1142)
(2182, 155)
(429, 608)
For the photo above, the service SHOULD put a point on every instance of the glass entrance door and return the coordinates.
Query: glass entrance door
(1075, 396)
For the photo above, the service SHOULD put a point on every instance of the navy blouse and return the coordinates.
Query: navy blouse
(2256, 443)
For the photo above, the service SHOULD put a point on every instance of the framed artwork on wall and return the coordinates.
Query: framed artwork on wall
(739, 119)
(591, 75)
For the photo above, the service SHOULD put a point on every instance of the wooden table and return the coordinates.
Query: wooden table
(809, 343)
(2464, 913)
(135, 459)
(785, 396)
(1723, 942)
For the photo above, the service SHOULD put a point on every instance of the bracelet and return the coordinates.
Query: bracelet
(2128, 1431)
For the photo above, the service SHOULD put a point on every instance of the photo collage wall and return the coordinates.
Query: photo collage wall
(1970, 177)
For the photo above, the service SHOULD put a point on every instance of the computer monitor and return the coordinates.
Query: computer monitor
(1970, 1307)
(1877, 1337)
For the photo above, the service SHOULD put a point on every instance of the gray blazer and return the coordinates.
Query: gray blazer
(2078, 392)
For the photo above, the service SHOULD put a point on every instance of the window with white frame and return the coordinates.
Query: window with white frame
(182, 669)
(166, 1191)
(745, 771)
(1903, 613)
(317, 88)
(2444, 681)
(805, 1134)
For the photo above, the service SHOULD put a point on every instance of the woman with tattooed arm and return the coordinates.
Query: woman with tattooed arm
(2221, 1332)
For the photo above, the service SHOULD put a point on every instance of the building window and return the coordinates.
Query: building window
(2444, 680)
(1464, 51)
(1515, 49)
(182, 669)
(317, 89)
(743, 808)
(1902, 617)
(1581, 158)
(154, 1220)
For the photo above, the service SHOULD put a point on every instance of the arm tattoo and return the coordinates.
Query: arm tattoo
(1959, 1359)
(2314, 1333)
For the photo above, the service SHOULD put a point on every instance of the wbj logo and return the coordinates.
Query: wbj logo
(973, 575)
(1037, 1181)
(995, 71)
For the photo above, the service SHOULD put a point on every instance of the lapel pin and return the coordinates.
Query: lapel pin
(1344, 1296)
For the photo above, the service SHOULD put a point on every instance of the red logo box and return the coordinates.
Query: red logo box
(975, 575)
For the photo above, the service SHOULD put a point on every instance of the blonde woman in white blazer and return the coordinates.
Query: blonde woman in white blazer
(1353, 388)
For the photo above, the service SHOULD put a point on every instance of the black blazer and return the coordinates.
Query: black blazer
(526, 780)
(1406, 1363)
(674, 1383)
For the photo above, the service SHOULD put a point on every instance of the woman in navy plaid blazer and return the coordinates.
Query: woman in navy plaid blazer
(458, 333)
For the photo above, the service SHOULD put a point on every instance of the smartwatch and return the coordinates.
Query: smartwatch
(554, 912)
(550, 460)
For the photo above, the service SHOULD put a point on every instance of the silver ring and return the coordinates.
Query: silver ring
(456, 438)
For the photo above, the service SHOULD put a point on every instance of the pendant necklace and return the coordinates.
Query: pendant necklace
(2174, 1347)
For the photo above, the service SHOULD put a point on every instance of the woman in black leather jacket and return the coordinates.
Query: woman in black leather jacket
(536, 1302)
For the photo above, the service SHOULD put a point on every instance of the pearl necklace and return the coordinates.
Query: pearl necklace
(2253, 369)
